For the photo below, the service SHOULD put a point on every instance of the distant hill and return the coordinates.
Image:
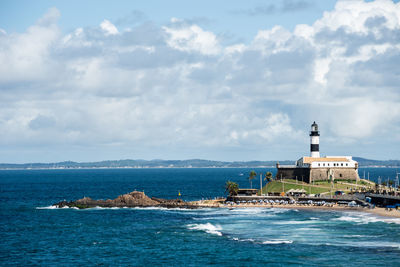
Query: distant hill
(190, 163)
(377, 163)
(157, 163)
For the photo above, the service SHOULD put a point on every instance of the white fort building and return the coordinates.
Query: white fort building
(315, 168)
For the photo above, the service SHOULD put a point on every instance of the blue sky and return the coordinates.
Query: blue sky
(242, 19)
(223, 80)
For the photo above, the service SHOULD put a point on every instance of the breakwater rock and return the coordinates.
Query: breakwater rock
(132, 199)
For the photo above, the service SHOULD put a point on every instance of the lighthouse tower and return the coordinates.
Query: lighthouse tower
(314, 139)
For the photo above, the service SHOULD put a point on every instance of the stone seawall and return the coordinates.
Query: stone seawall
(321, 174)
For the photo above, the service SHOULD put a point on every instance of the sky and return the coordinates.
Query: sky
(218, 80)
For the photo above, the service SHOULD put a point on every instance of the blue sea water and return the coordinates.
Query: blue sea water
(33, 233)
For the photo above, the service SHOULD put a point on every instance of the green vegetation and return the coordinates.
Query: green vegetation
(252, 175)
(81, 206)
(319, 187)
(277, 187)
(268, 177)
(232, 188)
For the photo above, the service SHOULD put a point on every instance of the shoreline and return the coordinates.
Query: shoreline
(376, 211)
(139, 199)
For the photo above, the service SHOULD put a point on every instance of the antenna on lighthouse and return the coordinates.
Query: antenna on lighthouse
(314, 140)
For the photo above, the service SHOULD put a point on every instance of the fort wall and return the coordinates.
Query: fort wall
(321, 174)
(316, 174)
(292, 173)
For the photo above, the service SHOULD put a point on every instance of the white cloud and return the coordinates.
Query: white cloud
(26, 56)
(163, 88)
(108, 28)
(353, 14)
(273, 41)
(192, 39)
(50, 18)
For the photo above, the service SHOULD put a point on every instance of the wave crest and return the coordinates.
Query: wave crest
(54, 207)
(361, 218)
(277, 241)
(206, 227)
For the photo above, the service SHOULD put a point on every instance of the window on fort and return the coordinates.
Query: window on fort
(342, 164)
(319, 164)
(324, 164)
(328, 164)
(347, 164)
(340, 175)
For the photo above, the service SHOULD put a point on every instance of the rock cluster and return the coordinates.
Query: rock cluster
(132, 199)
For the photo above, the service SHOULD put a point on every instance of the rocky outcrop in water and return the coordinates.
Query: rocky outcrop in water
(132, 199)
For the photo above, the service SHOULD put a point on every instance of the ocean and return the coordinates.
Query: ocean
(32, 232)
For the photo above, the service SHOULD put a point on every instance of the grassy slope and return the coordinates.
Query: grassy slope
(317, 188)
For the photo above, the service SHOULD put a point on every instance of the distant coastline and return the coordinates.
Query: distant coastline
(164, 164)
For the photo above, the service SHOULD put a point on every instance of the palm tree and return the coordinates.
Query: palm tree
(252, 175)
(268, 177)
(232, 188)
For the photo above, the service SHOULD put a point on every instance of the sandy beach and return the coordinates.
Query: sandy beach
(384, 212)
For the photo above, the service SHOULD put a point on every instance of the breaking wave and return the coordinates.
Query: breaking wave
(207, 227)
(278, 241)
(298, 222)
(264, 242)
(53, 207)
(362, 218)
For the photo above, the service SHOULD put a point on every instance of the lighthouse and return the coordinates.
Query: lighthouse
(314, 139)
(315, 168)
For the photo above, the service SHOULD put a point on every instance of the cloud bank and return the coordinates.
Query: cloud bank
(177, 91)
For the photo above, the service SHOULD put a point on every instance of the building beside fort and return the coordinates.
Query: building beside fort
(316, 168)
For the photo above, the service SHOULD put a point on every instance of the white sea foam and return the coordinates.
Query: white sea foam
(265, 242)
(297, 222)
(52, 207)
(352, 236)
(366, 244)
(259, 210)
(377, 244)
(364, 218)
(114, 208)
(277, 241)
(247, 210)
(207, 227)
(161, 208)
(130, 208)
